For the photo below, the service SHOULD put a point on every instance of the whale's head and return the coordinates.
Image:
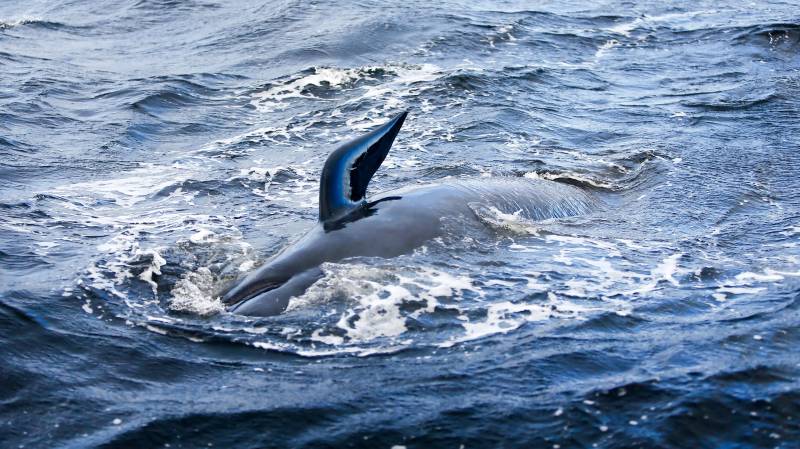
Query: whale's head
(261, 294)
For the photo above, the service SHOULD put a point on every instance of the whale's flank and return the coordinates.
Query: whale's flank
(389, 224)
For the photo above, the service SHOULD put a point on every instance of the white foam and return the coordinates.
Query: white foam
(156, 329)
(609, 277)
(377, 316)
(126, 191)
(514, 222)
(121, 214)
(393, 77)
(333, 340)
(382, 300)
(10, 23)
(378, 295)
(499, 282)
(574, 176)
(407, 81)
(740, 290)
(605, 48)
(793, 230)
(750, 283)
(501, 317)
(667, 269)
(749, 277)
(626, 28)
(202, 236)
(154, 268)
(273, 98)
(194, 293)
(664, 271)
(299, 190)
(506, 316)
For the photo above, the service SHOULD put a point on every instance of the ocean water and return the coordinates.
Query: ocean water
(153, 150)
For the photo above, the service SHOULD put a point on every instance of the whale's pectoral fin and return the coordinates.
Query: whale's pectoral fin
(343, 184)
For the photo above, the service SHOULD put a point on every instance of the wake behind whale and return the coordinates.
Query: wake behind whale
(390, 224)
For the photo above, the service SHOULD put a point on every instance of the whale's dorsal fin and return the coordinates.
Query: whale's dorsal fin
(343, 184)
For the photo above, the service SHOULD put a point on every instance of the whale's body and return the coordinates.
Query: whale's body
(390, 224)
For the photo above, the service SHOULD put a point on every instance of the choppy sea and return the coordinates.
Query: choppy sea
(151, 151)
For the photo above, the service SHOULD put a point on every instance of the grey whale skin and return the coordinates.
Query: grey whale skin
(390, 224)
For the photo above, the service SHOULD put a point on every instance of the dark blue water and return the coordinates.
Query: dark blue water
(154, 150)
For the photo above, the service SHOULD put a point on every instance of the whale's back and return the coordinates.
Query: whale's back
(533, 199)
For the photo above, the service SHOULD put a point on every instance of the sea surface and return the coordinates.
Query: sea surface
(153, 150)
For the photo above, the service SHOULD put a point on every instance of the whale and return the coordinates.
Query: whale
(389, 224)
